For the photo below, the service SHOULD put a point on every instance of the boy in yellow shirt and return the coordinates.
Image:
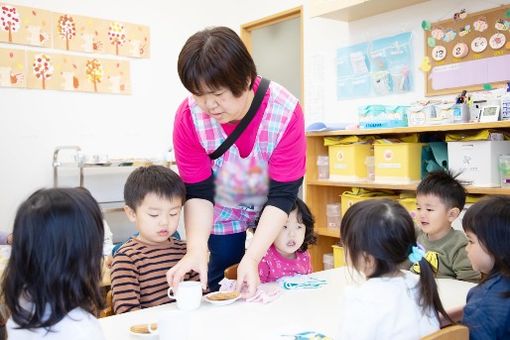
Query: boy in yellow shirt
(439, 200)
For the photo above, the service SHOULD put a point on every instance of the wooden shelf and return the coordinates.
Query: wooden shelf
(402, 187)
(329, 232)
(414, 129)
(350, 10)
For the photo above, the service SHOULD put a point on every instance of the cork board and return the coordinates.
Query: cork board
(467, 52)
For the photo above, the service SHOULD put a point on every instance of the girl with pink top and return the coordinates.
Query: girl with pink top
(239, 142)
(288, 256)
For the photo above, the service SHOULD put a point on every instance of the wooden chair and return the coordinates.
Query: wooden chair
(455, 332)
(231, 272)
(108, 311)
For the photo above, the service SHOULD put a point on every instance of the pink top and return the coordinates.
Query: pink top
(274, 266)
(287, 161)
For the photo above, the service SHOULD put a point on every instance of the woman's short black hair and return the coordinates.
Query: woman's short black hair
(216, 57)
(153, 179)
(55, 262)
(489, 220)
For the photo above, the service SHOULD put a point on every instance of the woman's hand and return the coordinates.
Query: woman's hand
(247, 277)
(193, 260)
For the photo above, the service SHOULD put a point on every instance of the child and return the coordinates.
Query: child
(51, 283)
(288, 255)
(379, 236)
(154, 196)
(487, 226)
(439, 200)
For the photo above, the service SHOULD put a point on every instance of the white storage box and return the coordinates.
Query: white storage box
(477, 161)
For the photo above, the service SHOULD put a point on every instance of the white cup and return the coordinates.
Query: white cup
(188, 295)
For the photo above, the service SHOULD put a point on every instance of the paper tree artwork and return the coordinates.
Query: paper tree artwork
(24, 25)
(12, 68)
(94, 72)
(117, 35)
(66, 28)
(10, 20)
(42, 68)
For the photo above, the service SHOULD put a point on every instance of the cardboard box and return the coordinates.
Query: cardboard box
(347, 162)
(398, 163)
(477, 161)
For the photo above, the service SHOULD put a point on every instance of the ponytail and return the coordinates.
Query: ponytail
(429, 297)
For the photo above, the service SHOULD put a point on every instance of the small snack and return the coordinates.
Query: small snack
(144, 328)
(223, 296)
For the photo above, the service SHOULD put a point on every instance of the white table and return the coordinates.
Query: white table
(293, 312)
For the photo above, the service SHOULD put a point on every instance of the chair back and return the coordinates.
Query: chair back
(108, 310)
(454, 332)
(231, 272)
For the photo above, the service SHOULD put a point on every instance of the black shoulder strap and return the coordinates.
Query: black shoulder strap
(243, 124)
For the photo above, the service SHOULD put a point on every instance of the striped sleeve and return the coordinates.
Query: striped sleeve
(125, 284)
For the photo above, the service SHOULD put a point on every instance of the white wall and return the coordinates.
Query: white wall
(33, 122)
(325, 36)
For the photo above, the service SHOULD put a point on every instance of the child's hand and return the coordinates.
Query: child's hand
(193, 260)
(247, 277)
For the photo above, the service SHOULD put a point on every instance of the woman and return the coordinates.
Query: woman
(266, 163)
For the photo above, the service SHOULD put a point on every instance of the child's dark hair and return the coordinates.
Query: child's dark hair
(384, 229)
(444, 185)
(304, 215)
(55, 262)
(155, 179)
(489, 220)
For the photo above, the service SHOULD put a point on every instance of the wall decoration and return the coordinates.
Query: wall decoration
(24, 25)
(476, 54)
(48, 71)
(37, 27)
(12, 68)
(377, 68)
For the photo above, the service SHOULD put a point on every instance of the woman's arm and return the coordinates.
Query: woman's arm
(271, 222)
(198, 217)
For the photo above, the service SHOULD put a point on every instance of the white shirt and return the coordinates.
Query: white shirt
(76, 325)
(385, 308)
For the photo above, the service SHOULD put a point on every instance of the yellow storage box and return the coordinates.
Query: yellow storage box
(398, 163)
(338, 256)
(410, 204)
(348, 198)
(347, 162)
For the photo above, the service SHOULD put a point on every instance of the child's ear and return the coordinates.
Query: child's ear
(453, 213)
(131, 214)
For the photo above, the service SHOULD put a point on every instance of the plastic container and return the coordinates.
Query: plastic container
(328, 261)
(370, 163)
(333, 215)
(504, 170)
(505, 104)
(323, 167)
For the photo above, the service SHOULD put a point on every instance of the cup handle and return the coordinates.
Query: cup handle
(170, 293)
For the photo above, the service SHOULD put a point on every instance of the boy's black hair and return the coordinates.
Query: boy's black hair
(444, 185)
(489, 220)
(384, 229)
(56, 256)
(304, 215)
(155, 179)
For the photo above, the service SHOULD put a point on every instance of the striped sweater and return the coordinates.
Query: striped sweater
(138, 274)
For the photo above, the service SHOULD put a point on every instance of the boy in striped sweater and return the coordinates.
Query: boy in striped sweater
(154, 196)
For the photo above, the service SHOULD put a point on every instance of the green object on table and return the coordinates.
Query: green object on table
(426, 25)
(487, 87)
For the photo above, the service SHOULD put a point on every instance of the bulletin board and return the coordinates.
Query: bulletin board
(468, 52)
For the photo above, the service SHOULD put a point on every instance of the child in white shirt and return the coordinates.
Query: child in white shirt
(51, 283)
(379, 236)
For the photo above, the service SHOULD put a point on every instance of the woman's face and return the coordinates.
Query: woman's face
(222, 105)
